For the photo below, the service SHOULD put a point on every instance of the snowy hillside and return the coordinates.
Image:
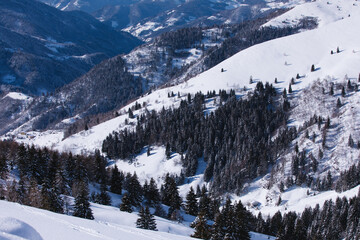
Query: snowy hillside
(282, 59)
(19, 222)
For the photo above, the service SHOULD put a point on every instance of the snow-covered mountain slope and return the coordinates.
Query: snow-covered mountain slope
(22, 222)
(283, 59)
(18, 222)
(324, 11)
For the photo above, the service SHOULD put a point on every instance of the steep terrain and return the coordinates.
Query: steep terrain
(43, 48)
(280, 59)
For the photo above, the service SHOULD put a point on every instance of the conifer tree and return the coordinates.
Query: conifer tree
(191, 203)
(135, 191)
(125, 206)
(146, 220)
(312, 68)
(103, 197)
(202, 229)
(116, 181)
(290, 89)
(151, 193)
(338, 103)
(51, 199)
(240, 223)
(170, 194)
(343, 93)
(82, 205)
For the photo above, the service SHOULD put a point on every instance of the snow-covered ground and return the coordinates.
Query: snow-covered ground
(18, 222)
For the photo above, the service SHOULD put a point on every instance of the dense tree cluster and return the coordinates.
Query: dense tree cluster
(45, 175)
(181, 38)
(235, 140)
(232, 222)
(335, 220)
(349, 178)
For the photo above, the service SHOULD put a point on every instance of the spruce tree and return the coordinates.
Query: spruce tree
(146, 220)
(202, 229)
(191, 203)
(104, 197)
(170, 194)
(135, 191)
(125, 206)
(241, 221)
(116, 181)
(151, 194)
(312, 68)
(290, 89)
(82, 205)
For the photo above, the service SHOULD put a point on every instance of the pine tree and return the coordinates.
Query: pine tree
(135, 191)
(82, 206)
(131, 114)
(99, 168)
(116, 181)
(170, 194)
(104, 197)
(151, 193)
(146, 220)
(51, 199)
(331, 90)
(350, 141)
(202, 229)
(241, 220)
(191, 203)
(290, 89)
(338, 103)
(343, 93)
(312, 68)
(125, 206)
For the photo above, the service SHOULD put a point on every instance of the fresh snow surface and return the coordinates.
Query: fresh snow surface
(325, 11)
(18, 222)
(17, 96)
(155, 165)
(259, 199)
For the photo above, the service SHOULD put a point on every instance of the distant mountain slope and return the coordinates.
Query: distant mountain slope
(43, 48)
(86, 5)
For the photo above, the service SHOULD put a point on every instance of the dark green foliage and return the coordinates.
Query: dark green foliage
(102, 197)
(135, 191)
(125, 206)
(313, 68)
(116, 181)
(338, 103)
(348, 179)
(202, 229)
(146, 220)
(191, 203)
(82, 206)
(331, 90)
(151, 193)
(343, 93)
(231, 223)
(170, 194)
(234, 136)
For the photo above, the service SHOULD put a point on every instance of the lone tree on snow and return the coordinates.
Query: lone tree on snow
(313, 68)
(146, 220)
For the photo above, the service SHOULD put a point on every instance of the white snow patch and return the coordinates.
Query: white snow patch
(17, 96)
